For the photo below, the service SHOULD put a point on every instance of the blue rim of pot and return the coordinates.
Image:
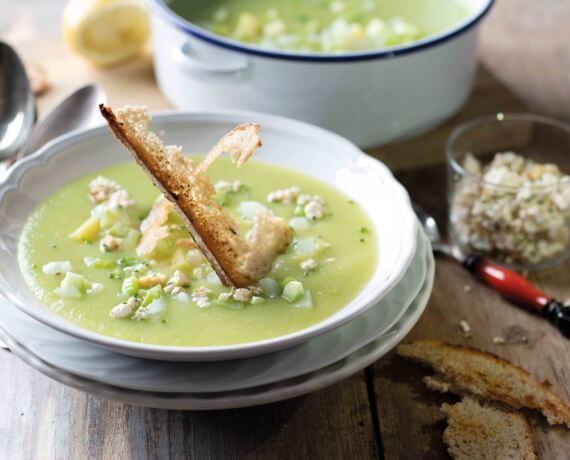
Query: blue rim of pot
(161, 7)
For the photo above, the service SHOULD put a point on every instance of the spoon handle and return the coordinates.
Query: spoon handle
(520, 291)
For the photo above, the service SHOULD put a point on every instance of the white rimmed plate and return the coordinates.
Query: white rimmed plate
(293, 144)
(253, 396)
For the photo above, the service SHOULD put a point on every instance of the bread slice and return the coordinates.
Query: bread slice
(464, 370)
(238, 262)
(154, 228)
(486, 431)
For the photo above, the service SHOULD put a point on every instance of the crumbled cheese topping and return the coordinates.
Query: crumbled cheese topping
(514, 209)
(286, 195)
(110, 243)
(225, 186)
(101, 188)
(173, 290)
(201, 297)
(313, 206)
(124, 309)
(304, 199)
(314, 210)
(242, 295)
(176, 284)
(308, 265)
(120, 199)
(179, 279)
(57, 267)
(141, 314)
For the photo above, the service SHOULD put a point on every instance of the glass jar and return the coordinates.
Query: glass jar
(509, 189)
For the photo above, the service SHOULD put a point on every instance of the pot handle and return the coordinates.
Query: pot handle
(190, 63)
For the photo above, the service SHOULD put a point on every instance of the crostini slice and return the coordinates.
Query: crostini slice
(238, 261)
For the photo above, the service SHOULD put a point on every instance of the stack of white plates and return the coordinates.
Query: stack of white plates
(242, 375)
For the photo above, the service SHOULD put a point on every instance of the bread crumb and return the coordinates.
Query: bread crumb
(465, 329)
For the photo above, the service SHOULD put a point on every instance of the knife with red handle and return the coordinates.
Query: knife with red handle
(520, 291)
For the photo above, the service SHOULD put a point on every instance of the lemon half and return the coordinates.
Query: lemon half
(106, 32)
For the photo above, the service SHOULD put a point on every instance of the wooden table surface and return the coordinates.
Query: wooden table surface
(384, 411)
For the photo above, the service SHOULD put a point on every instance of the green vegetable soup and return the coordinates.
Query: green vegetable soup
(80, 254)
(332, 26)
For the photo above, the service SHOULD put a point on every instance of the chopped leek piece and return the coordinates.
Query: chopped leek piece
(73, 286)
(152, 294)
(130, 286)
(293, 291)
(96, 262)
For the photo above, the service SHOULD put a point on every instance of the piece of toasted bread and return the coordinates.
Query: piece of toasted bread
(153, 227)
(465, 370)
(486, 431)
(238, 262)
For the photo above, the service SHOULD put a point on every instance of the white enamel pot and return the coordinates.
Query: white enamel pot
(370, 97)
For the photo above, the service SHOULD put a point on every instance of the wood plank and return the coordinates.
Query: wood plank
(42, 419)
(525, 57)
(406, 410)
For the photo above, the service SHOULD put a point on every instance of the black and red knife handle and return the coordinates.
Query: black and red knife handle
(520, 291)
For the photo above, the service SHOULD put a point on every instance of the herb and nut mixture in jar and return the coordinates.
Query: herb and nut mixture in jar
(512, 209)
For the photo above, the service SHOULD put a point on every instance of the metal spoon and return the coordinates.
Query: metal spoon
(506, 282)
(17, 103)
(78, 110)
